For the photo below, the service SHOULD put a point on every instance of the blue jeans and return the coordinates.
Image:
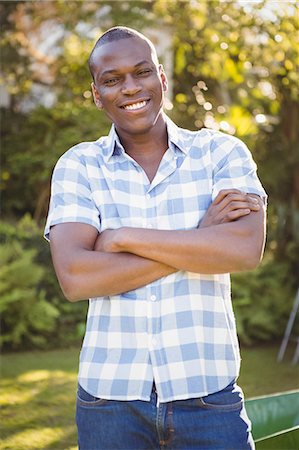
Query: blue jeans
(217, 421)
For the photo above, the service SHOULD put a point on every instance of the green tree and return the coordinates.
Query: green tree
(26, 315)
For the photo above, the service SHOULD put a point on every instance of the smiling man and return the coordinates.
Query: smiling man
(147, 223)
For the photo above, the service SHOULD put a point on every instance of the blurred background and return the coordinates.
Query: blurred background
(231, 66)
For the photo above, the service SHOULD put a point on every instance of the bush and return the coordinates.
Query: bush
(262, 301)
(26, 315)
(34, 312)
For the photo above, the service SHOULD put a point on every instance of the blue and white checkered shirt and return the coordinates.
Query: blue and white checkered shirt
(179, 330)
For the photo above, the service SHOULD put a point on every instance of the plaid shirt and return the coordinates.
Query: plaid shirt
(179, 330)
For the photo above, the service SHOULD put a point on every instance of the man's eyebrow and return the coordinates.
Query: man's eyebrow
(111, 71)
(106, 72)
(142, 62)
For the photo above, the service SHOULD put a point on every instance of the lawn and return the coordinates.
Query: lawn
(37, 396)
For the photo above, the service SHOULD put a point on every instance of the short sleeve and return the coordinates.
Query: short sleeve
(234, 167)
(71, 196)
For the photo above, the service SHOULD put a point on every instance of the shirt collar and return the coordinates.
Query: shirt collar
(176, 136)
(113, 145)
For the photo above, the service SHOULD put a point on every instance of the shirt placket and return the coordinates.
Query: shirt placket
(153, 290)
(153, 296)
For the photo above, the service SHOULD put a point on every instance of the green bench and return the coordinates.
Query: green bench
(275, 421)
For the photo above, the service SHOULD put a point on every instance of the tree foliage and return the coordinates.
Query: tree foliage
(234, 69)
(33, 312)
(26, 315)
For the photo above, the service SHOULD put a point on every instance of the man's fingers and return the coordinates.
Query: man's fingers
(234, 215)
(242, 204)
(239, 200)
(224, 193)
(226, 196)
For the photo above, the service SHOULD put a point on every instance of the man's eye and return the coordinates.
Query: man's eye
(111, 81)
(143, 72)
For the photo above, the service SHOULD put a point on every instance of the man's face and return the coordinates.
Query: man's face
(129, 85)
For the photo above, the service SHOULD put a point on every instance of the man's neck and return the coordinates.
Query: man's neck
(149, 145)
(147, 149)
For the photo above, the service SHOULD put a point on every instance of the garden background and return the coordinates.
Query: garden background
(232, 67)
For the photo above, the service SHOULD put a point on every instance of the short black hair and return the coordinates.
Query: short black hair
(115, 34)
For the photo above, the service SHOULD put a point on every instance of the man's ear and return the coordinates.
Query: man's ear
(96, 96)
(163, 78)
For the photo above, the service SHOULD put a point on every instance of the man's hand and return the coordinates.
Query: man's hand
(229, 205)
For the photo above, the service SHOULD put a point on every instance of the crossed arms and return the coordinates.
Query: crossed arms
(229, 238)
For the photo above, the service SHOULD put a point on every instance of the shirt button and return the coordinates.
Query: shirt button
(149, 225)
(153, 298)
(154, 342)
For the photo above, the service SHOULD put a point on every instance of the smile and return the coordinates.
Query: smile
(135, 106)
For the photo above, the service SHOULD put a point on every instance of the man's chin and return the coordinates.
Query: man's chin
(136, 128)
(139, 126)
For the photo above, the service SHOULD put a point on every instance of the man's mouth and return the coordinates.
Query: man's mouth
(135, 106)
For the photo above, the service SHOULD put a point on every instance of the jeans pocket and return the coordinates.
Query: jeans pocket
(229, 399)
(88, 400)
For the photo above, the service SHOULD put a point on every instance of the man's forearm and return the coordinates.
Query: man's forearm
(228, 247)
(132, 273)
(95, 274)
(83, 272)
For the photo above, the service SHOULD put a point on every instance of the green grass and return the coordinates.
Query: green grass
(262, 375)
(38, 389)
(37, 399)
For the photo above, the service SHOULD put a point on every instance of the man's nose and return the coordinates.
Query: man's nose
(130, 85)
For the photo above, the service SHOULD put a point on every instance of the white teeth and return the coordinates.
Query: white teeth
(135, 106)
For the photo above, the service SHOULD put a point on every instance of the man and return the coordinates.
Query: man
(147, 223)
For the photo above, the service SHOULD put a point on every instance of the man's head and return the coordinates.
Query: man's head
(116, 34)
(128, 81)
